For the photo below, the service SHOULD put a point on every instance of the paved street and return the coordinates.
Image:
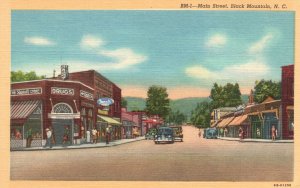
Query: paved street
(195, 159)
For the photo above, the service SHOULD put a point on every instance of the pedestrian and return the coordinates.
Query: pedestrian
(82, 132)
(49, 138)
(53, 141)
(94, 135)
(199, 134)
(66, 136)
(88, 136)
(273, 132)
(241, 133)
(225, 132)
(107, 134)
(29, 138)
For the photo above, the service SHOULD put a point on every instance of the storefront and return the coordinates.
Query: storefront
(114, 128)
(26, 121)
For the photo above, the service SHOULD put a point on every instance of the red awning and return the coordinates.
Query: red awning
(20, 110)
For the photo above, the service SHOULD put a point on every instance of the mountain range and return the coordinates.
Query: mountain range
(185, 105)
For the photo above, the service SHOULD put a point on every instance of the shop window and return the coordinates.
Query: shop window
(90, 113)
(16, 132)
(83, 111)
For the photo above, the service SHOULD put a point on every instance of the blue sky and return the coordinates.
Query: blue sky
(185, 51)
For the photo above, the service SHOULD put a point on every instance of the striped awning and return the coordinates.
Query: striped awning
(109, 120)
(225, 122)
(239, 120)
(20, 110)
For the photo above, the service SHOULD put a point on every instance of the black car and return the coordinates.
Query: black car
(164, 134)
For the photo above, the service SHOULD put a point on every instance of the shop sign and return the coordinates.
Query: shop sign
(64, 72)
(86, 95)
(26, 91)
(62, 91)
(105, 101)
(102, 112)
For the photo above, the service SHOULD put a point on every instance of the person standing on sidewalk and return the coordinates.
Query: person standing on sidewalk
(49, 138)
(88, 136)
(273, 132)
(94, 135)
(29, 138)
(107, 134)
(241, 133)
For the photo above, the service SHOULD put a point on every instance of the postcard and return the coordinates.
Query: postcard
(149, 94)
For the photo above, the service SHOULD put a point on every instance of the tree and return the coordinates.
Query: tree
(225, 96)
(200, 116)
(264, 89)
(158, 102)
(124, 102)
(19, 76)
(176, 117)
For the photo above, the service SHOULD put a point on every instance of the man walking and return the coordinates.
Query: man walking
(49, 136)
(29, 138)
(107, 134)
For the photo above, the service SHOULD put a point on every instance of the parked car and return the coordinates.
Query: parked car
(210, 133)
(177, 132)
(150, 134)
(164, 134)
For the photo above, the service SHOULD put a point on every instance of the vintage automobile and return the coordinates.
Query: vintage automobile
(210, 133)
(150, 134)
(164, 134)
(177, 132)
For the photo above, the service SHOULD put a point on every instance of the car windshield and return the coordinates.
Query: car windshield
(165, 131)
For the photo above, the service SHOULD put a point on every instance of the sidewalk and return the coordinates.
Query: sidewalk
(83, 146)
(256, 140)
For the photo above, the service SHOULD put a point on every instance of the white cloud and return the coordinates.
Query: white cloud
(39, 41)
(217, 40)
(200, 72)
(245, 74)
(260, 45)
(90, 42)
(123, 57)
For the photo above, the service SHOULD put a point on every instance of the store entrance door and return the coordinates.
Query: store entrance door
(59, 126)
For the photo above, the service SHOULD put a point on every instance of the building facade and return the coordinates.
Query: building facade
(287, 98)
(67, 103)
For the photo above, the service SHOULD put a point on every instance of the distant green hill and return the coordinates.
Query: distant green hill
(185, 105)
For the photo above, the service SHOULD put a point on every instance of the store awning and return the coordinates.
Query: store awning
(21, 110)
(238, 120)
(225, 122)
(109, 120)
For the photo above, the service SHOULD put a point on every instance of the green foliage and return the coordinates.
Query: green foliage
(158, 102)
(200, 116)
(176, 117)
(225, 96)
(264, 89)
(18, 76)
(124, 102)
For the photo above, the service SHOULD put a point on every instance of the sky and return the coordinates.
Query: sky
(184, 51)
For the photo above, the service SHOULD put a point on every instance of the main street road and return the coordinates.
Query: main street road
(195, 159)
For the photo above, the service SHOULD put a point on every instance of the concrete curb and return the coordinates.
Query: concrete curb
(82, 146)
(256, 140)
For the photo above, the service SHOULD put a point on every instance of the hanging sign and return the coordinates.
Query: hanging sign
(105, 101)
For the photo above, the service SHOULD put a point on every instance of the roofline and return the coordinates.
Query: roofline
(70, 81)
(96, 72)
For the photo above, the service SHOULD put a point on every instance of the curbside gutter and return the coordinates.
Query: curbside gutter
(82, 146)
(256, 140)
